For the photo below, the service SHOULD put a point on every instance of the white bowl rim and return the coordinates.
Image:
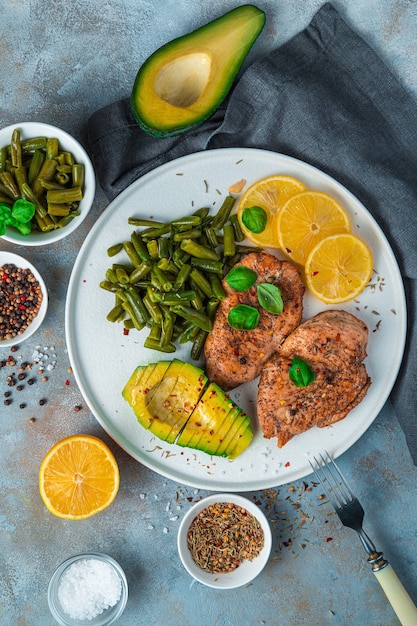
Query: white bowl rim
(32, 129)
(19, 261)
(248, 570)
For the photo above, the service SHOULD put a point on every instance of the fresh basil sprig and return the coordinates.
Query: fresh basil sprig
(270, 299)
(255, 219)
(241, 278)
(243, 317)
(19, 216)
(301, 373)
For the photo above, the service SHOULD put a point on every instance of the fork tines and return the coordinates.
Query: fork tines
(331, 479)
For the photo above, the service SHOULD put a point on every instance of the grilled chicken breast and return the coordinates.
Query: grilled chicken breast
(334, 344)
(236, 356)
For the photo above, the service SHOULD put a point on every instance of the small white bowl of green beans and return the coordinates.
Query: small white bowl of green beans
(47, 183)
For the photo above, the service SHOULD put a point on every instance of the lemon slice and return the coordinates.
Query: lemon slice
(78, 477)
(338, 268)
(306, 219)
(270, 194)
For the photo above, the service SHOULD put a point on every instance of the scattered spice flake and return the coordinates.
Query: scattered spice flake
(206, 186)
(154, 449)
(393, 311)
(377, 326)
(287, 464)
(179, 174)
(237, 187)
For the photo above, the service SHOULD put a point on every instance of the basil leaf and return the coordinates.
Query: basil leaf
(23, 210)
(269, 297)
(301, 373)
(241, 278)
(255, 219)
(243, 317)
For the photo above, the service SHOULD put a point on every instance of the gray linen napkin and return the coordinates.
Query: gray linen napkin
(323, 97)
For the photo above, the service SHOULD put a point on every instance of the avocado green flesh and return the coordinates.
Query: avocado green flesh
(138, 387)
(172, 411)
(239, 425)
(184, 82)
(175, 401)
(208, 415)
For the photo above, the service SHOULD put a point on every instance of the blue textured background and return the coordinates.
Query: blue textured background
(59, 62)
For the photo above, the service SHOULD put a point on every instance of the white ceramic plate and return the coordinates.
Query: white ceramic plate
(103, 358)
(247, 570)
(19, 261)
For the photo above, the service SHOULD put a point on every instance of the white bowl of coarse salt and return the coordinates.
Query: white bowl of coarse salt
(88, 589)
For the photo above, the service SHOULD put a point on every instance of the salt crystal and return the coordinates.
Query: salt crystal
(87, 588)
(150, 527)
(166, 530)
(173, 518)
(142, 496)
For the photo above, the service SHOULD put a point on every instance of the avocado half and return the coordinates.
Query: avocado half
(184, 82)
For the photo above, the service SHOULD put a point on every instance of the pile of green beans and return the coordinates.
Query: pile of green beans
(39, 171)
(172, 284)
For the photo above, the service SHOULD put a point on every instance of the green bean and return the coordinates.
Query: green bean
(114, 249)
(66, 219)
(52, 148)
(187, 234)
(199, 318)
(116, 314)
(138, 308)
(211, 308)
(153, 309)
(173, 298)
(182, 276)
(234, 220)
(191, 220)
(29, 194)
(131, 252)
(64, 196)
(152, 246)
(202, 212)
(36, 143)
(45, 223)
(9, 184)
(217, 287)
(199, 251)
(78, 175)
(106, 285)
(161, 278)
(140, 246)
(198, 344)
(201, 282)
(223, 213)
(58, 209)
(20, 175)
(209, 266)
(140, 271)
(35, 166)
(211, 237)
(150, 233)
(163, 248)
(16, 149)
(137, 221)
(167, 328)
(3, 159)
(229, 248)
(135, 321)
(122, 276)
(154, 344)
(188, 333)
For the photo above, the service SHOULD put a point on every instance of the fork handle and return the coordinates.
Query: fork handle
(400, 601)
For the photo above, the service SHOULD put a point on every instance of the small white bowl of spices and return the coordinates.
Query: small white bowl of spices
(23, 299)
(224, 541)
(88, 589)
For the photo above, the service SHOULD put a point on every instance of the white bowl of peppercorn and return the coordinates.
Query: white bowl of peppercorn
(23, 299)
(47, 183)
(224, 541)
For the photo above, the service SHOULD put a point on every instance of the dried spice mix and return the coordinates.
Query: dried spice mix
(222, 536)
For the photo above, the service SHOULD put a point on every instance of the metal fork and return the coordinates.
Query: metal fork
(351, 514)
